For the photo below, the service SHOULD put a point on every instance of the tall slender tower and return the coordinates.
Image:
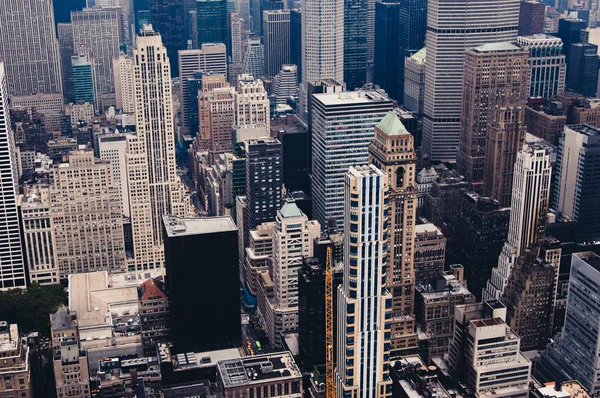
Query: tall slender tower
(364, 303)
(167, 17)
(155, 188)
(11, 252)
(357, 15)
(276, 27)
(529, 206)
(322, 44)
(495, 83)
(392, 150)
(28, 47)
(473, 23)
(66, 51)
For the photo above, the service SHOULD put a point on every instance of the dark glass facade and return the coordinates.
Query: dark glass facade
(167, 18)
(212, 21)
(202, 278)
(412, 25)
(385, 67)
(355, 43)
(582, 69)
(296, 40)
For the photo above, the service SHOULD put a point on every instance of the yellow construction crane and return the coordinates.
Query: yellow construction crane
(329, 380)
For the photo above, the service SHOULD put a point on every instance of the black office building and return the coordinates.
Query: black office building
(295, 157)
(582, 69)
(479, 235)
(212, 21)
(355, 43)
(385, 67)
(412, 25)
(296, 40)
(569, 31)
(202, 278)
(168, 19)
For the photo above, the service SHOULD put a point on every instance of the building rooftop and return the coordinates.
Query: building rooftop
(590, 258)
(391, 125)
(540, 38)
(152, 289)
(9, 337)
(563, 390)
(585, 129)
(61, 320)
(502, 46)
(257, 369)
(290, 209)
(425, 228)
(347, 98)
(420, 56)
(177, 226)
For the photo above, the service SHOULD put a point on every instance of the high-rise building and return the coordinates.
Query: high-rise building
(547, 122)
(70, 362)
(155, 188)
(208, 82)
(532, 17)
(392, 150)
(414, 83)
(168, 18)
(528, 210)
(480, 231)
(252, 104)
(83, 79)
(286, 83)
(582, 69)
(473, 23)
(412, 25)
(210, 58)
(342, 129)
(155, 315)
(98, 31)
(123, 70)
(113, 148)
(50, 105)
(429, 253)
(576, 191)
(547, 61)
(236, 28)
(254, 59)
(574, 355)
(293, 236)
(386, 56)
(66, 50)
(11, 253)
(296, 40)
(489, 69)
(364, 304)
(86, 216)
(485, 353)
(28, 47)
(569, 31)
(322, 45)
(203, 287)
(212, 21)
(222, 117)
(357, 16)
(263, 182)
(39, 244)
(276, 27)
(531, 293)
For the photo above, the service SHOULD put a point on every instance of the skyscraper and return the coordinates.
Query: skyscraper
(154, 185)
(210, 58)
(98, 31)
(364, 303)
(212, 21)
(28, 47)
(531, 17)
(489, 69)
(203, 287)
(252, 104)
(577, 192)
(474, 23)
(168, 18)
(86, 216)
(356, 42)
(276, 28)
(66, 51)
(386, 57)
(11, 252)
(236, 28)
(569, 31)
(412, 25)
(222, 117)
(322, 44)
(342, 129)
(286, 83)
(575, 354)
(254, 59)
(548, 65)
(83, 79)
(296, 40)
(414, 83)
(392, 150)
(123, 70)
(529, 206)
(582, 69)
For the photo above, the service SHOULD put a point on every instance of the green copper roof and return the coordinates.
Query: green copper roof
(289, 209)
(391, 125)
